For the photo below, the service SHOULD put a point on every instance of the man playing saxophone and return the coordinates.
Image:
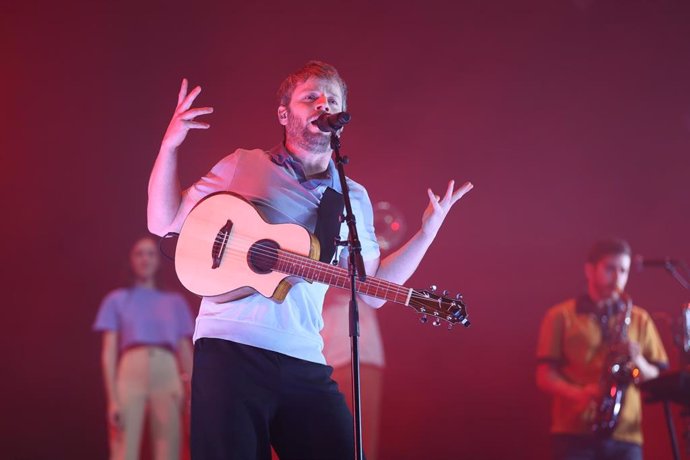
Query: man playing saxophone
(576, 342)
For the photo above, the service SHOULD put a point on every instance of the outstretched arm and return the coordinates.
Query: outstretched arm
(164, 183)
(400, 265)
(109, 366)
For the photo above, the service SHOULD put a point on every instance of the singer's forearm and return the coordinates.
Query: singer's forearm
(163, 192)
(399, 266)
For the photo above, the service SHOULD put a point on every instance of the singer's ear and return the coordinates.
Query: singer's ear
(282, 115)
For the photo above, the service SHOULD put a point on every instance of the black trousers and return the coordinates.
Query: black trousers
(588, 447)
(245, 399)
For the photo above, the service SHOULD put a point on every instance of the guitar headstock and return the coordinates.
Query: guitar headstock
(439, 307)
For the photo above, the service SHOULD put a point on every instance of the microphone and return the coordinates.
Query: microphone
(332, 122)
(642, 262)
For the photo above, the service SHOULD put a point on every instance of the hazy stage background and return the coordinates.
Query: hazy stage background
(572, 118)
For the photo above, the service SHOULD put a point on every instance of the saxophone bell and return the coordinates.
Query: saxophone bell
(619, 371)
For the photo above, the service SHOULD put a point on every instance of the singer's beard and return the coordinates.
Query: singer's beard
(300, 136)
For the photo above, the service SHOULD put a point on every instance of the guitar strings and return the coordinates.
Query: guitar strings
(416, 298)
(310, 264)
(314, 270)
(291, 257)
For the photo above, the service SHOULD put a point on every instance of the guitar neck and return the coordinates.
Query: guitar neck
(313, 270)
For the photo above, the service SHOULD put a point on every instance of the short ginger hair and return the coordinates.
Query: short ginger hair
(316, 69)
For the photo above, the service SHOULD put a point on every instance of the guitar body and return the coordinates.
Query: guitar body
(212, 258)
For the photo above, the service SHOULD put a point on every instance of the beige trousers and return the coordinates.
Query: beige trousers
(148, 383)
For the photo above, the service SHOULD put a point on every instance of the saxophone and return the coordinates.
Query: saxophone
(619, 371)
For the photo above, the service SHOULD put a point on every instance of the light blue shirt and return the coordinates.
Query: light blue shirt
(143, 316)
(275, 183)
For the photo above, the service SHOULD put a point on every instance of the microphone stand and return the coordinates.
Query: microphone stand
(355, 271)
(672, 269)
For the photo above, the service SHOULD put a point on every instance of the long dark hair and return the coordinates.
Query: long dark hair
(131, 277)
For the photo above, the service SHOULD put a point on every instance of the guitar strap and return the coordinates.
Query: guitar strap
(605, 316)
(328, 222)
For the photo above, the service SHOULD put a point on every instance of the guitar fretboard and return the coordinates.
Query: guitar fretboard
(313, 270)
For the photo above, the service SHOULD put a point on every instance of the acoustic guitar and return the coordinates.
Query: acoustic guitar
(227, 251)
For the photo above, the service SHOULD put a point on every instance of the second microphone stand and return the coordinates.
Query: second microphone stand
(673, 386)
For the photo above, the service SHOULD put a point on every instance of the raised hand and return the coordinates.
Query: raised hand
(438, 207)
(183, 118)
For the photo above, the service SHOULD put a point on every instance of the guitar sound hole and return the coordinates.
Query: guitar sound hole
(262, 256)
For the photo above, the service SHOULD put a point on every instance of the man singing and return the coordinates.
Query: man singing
(259, 376)
(576, 339)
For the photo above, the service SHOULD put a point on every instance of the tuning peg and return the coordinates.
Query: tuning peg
(458, 296)
(423, 319)
(432, 288)
(446, 292)
(436, 322)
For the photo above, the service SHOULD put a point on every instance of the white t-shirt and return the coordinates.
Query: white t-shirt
(276, 185)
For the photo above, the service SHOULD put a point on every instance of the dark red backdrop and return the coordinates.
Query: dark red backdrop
(571, 117)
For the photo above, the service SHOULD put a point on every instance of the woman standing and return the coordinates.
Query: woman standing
(146, 359)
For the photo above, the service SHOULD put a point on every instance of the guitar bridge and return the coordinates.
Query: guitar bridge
(220, 243)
